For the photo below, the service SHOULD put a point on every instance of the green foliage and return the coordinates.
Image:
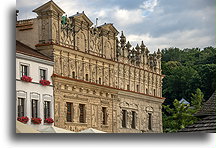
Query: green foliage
(185, 71)
(177, 117)
(197, 99)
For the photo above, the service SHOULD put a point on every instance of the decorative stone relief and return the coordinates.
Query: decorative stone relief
(64, 65)
(57, 66)
(94, 115)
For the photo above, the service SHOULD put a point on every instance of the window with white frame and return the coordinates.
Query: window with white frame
(20, 107)
(24, 70)
(34, 108)
(47, 109)
(43, 74)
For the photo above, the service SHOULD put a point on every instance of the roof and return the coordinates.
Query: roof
(207, 118)
(54, 129)
(183, 101)
(205, 125)
(91, 130)
(209, 107)
(24, 49)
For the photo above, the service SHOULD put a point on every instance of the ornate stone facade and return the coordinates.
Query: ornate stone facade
(92, 67)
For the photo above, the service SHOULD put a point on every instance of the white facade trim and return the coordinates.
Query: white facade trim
(34, 59)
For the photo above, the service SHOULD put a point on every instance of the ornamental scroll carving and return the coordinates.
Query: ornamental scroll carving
(57, 66)
(64, 65)
(94, 116)
(106, 76)
(80, 69)
(93, 73)
(72, 67)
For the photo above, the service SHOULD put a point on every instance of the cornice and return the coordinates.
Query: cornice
(82, 81)
(34, 59)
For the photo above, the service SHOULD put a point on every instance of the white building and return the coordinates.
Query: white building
(32, 98)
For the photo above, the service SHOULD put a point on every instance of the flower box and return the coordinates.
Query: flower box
(44, 82)
(23, 119)
(26, 78)
(36, 120)
(48, 120)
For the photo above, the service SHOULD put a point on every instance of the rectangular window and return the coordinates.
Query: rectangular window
(24, 70)
(137, 88)
(42, 74)
(149, 121)
(128, 87)
(20, 107)
(154, 92)
(82, 113)
(99, 81)
(34, 108)
(124, 118)
(133, 124)
(69, 112)
(73, 75)
(46, 109)
(104, 112)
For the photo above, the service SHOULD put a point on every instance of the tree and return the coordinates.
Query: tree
(197, 99)
(177, 117)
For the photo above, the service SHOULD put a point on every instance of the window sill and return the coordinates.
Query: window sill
(105, 125)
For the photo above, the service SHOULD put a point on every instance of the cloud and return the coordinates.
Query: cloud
(160, 23)
(149, 5)
(180, 39)
(127, 17)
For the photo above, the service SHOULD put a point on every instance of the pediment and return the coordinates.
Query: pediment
(109, 27)
(49, 6)
(82, 17)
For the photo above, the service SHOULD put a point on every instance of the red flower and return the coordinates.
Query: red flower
(36, 120)
(48, 120)
(26, 78)
(23, 119)
(44, 82)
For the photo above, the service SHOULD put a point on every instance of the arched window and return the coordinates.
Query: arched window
(86, 77)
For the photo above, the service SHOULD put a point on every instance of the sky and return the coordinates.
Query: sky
(158, 23)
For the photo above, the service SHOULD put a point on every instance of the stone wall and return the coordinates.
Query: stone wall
(93, 67)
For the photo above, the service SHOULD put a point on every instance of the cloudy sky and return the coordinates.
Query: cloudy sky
(159, 23)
